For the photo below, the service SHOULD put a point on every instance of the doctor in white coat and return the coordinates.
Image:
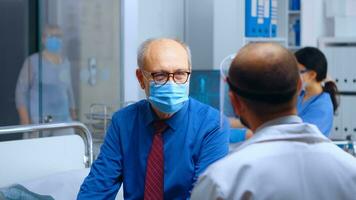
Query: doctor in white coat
(286, 158)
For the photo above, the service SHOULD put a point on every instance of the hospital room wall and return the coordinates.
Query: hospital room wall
(314, 24)
(140, 20)
(161, 18)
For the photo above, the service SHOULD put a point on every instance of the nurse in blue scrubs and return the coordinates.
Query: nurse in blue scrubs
(317, 101)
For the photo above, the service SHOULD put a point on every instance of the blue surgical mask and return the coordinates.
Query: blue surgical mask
(53, 44)
(168, 98)
(304, 84)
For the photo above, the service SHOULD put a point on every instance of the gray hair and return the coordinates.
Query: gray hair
(48, 27)
(141, 52)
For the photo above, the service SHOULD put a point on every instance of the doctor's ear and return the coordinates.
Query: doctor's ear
(300, 85)
(235, 103)
(139, 77)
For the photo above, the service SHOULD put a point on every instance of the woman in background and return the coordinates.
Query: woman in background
(317, 101)
(44, 89)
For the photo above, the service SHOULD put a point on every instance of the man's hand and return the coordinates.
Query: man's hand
(23, 114)
(73, 114)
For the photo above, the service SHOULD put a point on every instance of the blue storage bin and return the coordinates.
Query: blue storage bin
(294, 4)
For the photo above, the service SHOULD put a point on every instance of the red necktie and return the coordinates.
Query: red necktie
(154, 185)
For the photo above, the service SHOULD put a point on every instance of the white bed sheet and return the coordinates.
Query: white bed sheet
(61, 186)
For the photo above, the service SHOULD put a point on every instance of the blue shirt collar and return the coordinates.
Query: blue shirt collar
(173, 122)
(148, 114)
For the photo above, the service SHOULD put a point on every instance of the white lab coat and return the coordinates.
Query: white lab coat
(285, 159)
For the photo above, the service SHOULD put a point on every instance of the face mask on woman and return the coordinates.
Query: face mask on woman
(53, 44)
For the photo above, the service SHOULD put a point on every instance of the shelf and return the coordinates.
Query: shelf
(337, 40)
(98, 116)
(294, 12)
(294, 47)
(264, 39)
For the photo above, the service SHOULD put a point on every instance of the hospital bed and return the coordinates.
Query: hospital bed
(54, 166)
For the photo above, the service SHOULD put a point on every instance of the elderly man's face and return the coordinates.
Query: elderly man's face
(163, 56)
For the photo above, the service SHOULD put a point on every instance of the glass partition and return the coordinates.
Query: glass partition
(73, 71)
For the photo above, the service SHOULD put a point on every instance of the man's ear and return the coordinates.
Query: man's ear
(235, 103)
(140, 78)
(300, 85)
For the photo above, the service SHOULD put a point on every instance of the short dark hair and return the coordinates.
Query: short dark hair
(265, 76)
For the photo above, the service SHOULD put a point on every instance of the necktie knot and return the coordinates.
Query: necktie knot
(159, 127)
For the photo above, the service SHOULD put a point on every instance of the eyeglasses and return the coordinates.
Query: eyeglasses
(161, 78)
(303, 71)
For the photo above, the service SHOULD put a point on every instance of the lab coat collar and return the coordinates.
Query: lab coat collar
(291, 119)
(288, 128)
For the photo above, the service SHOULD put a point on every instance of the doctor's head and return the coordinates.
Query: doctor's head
(264, 83)
(164, 67)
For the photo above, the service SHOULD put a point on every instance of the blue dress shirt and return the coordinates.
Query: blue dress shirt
(317, 110)
(194, 139)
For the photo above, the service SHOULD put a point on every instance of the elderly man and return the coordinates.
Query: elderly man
(286, 158)
(158, 147)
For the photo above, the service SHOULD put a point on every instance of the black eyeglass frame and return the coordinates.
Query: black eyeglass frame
(166, 75)
(303, 71)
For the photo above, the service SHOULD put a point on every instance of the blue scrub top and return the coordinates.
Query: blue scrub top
(317, 110)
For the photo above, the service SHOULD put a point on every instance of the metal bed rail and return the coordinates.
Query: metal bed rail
(85, 134)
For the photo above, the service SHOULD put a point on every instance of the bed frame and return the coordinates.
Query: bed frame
(28, 159)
